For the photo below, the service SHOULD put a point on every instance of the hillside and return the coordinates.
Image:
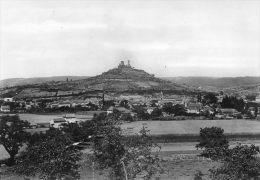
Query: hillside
(25, 81)
(217, 82)
(126, 78)
(123, 78)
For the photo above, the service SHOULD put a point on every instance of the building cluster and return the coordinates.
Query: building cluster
(109, 103)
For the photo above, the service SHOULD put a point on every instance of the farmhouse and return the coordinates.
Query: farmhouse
(8, 99)
(120, 109)
(58, 122)
(193, 108)
(5, 108)
(229, 113)
(71, 118)
(64, 104)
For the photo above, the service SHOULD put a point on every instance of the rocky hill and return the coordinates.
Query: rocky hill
(123, 78)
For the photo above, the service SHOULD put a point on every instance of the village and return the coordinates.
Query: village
(158, 106)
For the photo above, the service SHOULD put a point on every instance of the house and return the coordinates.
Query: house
(110, 110)
(58, 122)
(79, 103)
(64, 104)
(193, 108)
(28, 106)
(43, 125)
(150, 110)
(229, 112)
(71, 118)
(120, 109)
(257, 99)
(5, 108)
(9, 99)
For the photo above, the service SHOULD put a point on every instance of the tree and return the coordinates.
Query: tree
(124, 156)
(199, 97)
(251, 97)
(168, 108)
(126, 117)
(12, 135)
(239, 163)
(179, 110)
(156, 112)
(233, 102)
(142, 114)
(213, 142)
(124, 103)
(209, 98)
(154, 103)
(51, 157)
(139, 158)
(109, 150)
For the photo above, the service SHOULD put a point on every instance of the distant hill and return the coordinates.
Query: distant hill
(215, 82)
(25, 81)
(123, 78)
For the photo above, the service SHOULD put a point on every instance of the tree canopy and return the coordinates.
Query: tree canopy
(13, 135)
(51, 157)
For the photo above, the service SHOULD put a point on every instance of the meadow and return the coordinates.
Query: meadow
(192, 127)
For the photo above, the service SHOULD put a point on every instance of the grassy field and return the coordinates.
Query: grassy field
(45, 118)
(170, 127)
(193, 126)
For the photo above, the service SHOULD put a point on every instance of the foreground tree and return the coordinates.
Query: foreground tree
(240, 163)
(139, 157)
(123, 157)
(51, 157)
(12, 135)
(213, 142)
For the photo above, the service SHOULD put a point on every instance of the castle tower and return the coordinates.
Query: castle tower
(128, 63)
(121, 64)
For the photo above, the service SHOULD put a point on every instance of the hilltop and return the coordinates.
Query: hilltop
(123, 78)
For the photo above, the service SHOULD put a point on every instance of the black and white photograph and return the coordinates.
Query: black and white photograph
(129, 89)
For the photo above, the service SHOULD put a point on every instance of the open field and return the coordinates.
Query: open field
(170, 127)
(45, 118)
(192, 127)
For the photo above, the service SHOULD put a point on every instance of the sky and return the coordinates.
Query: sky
(167, 38)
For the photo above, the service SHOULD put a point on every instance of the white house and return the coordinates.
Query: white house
(8, 99)
(58, 122)
(193, 108)
(71, 118)
(5, 108)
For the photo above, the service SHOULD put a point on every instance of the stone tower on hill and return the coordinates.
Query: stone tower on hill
(122, 64)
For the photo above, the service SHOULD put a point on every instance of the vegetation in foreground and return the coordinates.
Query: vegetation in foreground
(56, 155)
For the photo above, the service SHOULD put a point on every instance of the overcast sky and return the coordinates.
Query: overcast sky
(166, 38)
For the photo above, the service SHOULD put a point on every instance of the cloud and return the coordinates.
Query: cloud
(50, 26)
(91, 36)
